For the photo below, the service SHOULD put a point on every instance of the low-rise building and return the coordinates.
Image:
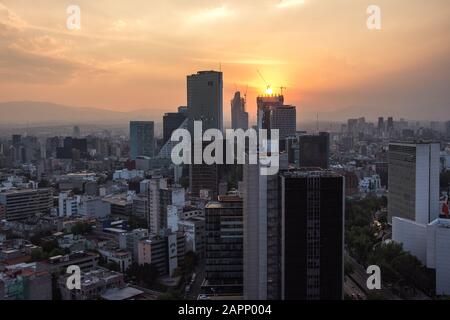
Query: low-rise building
(25, 282)
(93, 284)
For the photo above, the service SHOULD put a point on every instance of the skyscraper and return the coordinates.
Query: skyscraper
(171, 122)
(312, 228)
(413, 179)
(224, 236)
(274, 114)
(142, 142)
(380, 124)
(204, 95)
(262, 236)
(390, 124)
(314, 150)
(293, 235)
(239, 118)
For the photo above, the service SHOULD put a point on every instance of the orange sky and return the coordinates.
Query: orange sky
(136, 54)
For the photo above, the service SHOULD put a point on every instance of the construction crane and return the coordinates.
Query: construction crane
(269, 89)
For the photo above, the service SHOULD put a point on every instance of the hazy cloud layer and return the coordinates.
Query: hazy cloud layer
(136, 54)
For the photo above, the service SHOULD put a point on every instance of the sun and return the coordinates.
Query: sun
(269, 90)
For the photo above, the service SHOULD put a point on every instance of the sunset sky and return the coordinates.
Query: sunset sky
(136, 54)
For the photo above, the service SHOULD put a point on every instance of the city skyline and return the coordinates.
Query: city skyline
(125, 59)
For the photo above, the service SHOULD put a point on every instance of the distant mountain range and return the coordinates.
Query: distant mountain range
(45, 113)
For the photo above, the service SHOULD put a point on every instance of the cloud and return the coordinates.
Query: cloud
(289, 3)
(30, 57)
(211, 14)
(118, 25)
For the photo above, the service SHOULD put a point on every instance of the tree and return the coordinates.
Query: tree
(190, 262)
(81, 228)
(145, 275)
(170, 295)
(137, 222)
(57, 252)
(38, 255)
(445, 180)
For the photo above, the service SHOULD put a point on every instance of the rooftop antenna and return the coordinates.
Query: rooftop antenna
(281, 89)
(245, 94)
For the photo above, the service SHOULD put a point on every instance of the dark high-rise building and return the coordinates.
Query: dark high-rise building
(390, 124)
(274, 114)
(224, 246)
(312, 227)
(239, 118)
(142, 139)
(204, 95)
(205, 103)
(381, 124)
(314, 150)
(171, 122)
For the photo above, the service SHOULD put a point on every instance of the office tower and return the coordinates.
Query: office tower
(204, 95)
(142, 142)
(352, 125)
(314, 150)
(26, 203)
(390, 124)
(381, 124)
(239, 118)
(224, 240)
(156, 218)
(76, 132)
(312, 228)
(262, 235)
(171, 122)
(274, 114)
(205, 103)
(413, 180)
